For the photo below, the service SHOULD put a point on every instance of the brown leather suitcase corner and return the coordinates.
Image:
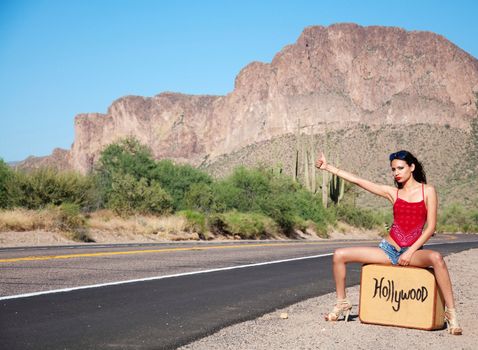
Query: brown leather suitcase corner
(400, 296)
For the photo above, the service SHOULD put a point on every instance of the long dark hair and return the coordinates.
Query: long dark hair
(418, 174)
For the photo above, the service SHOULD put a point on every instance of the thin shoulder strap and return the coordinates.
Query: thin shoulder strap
(397, 194)
(423, 192)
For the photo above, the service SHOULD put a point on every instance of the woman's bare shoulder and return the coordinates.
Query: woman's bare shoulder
(430, 191)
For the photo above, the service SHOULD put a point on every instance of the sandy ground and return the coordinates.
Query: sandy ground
(46, 238)
(305, 327)
(32, 238)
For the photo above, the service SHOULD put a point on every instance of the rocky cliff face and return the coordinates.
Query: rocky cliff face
(333, 77)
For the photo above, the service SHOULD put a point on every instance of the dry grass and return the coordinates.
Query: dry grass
(104, 226)
(171, 227)
(27, 220)
(51, 219)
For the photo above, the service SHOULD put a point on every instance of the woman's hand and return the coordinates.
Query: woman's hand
(404, 259)
(321, 162)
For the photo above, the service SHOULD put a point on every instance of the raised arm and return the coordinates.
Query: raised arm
(380, 190)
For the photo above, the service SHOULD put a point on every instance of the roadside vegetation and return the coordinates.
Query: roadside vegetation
(130, 191)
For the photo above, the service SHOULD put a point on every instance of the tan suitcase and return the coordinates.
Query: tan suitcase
(400, 296)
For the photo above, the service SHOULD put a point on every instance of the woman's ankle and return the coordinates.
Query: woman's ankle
(341, 296)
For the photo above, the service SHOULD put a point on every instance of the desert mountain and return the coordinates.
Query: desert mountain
(361, 91)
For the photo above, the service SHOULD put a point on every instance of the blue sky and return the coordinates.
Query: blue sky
(61, 58)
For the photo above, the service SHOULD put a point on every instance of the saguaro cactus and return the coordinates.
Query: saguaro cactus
(324, 189)
(295, 174)
(337, 186)
(305, 154)
(312, 153)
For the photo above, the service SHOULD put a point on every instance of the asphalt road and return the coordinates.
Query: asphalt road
(169, 312)
(24, 271)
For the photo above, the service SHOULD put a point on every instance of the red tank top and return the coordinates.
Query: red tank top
(408, 220)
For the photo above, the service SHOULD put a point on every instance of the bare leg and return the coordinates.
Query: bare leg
(342, 256)
(426, 258)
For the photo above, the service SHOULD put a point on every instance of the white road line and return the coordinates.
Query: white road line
(26, 295)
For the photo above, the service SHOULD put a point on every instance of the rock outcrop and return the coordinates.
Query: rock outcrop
(60, 159)
(332, 77)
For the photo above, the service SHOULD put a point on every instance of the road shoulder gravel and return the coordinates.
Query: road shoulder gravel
(305, 327)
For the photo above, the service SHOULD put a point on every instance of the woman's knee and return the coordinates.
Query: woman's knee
(437, 260)
(340, 255)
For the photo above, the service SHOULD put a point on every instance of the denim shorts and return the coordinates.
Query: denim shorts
(392, 252)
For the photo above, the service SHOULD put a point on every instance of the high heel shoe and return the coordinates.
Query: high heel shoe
(451, 322)
(342, 307)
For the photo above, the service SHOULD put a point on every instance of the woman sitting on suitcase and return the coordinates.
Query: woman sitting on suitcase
(414, 204)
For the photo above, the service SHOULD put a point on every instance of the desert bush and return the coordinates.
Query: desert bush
(6, 177)
(305, 225)
(244, 225)
(196, 222)
(43, 187)
(225, 195)
(125, 157)
(274, 195)
(200, 197)
(245, 189)
(69, 217)
(456, 218)
(129, 195)
(178, 179)
(309, 207)
(129, 157)
(361, 217)
(70, 220)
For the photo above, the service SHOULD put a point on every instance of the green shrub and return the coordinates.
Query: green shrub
(70, 220)
(274, 195)
(127, 156)
(6, 177)
(69, 217)
(177, 181)
(309, 207)
(199, 197)
(129, 195)
(196, 222)
(303, 225)
(281, 209)
(244, 225)
(456, 218)
(244, 190)
(225, 195)
(45, 186)
(360, 217)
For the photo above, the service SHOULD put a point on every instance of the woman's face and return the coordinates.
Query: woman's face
(401, 171)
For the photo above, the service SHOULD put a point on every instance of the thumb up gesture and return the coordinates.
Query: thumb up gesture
(321, 162)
